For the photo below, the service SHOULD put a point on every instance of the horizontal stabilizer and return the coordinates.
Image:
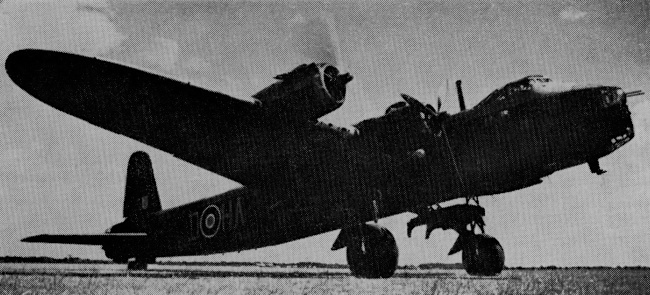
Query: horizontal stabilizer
(96, 239)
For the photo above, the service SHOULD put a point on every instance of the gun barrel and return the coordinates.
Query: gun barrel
(634, 93)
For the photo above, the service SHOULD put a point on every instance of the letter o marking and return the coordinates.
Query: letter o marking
(210, 221)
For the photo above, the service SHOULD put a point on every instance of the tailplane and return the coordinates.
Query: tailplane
(127, 239)
(141, 194)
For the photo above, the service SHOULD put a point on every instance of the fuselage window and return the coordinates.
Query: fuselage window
(519, 88)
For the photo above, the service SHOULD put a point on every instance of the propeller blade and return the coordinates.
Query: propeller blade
(432, 118)
(315, 38)
(418, 105)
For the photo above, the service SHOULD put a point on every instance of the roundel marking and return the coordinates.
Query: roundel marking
(210, 221)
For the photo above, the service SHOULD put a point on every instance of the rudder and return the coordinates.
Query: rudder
(141, 194)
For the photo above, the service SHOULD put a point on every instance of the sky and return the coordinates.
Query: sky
(59, 174)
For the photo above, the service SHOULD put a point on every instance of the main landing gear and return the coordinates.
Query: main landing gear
(371, 250)
(482, 254)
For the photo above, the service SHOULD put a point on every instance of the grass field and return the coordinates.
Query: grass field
(567, 281)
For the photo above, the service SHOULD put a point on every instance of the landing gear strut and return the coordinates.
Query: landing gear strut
(482, 254)
(594, 167)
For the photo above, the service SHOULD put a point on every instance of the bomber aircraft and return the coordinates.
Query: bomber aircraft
(301, 177)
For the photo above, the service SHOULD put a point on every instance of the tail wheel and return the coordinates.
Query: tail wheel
(136, 265)
(120, 260)
(483, 255)
(140, 263)
(373, 253)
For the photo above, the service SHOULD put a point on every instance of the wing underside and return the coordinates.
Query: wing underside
(189, 122)
(222, 134)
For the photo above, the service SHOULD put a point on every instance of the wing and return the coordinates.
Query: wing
(191, 123)
(93, 239)
(219, 133)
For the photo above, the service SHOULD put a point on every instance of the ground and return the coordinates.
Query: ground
(113, 279)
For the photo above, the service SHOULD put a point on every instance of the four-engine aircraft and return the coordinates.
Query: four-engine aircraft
(301, 177)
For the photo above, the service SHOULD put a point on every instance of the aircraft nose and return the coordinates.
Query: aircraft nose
(616, 121)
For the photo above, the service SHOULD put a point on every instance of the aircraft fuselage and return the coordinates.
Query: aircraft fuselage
(234, 221)
(501, 146)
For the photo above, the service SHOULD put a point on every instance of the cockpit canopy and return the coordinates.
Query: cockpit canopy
(524, 84)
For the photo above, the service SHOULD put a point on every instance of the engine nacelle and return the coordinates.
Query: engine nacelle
(308, 92)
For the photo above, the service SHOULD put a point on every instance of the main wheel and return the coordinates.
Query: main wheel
(373, 254)
(483, 255)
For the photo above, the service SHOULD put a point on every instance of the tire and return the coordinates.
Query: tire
(374, 254)
(483, 255)
(470, 255)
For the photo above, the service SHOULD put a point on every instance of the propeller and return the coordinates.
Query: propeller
(432, 117)
(420, 107)
(315, 38)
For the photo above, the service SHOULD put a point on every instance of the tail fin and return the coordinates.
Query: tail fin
(141, 195)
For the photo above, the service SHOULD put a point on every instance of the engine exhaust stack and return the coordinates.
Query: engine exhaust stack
(461, 99)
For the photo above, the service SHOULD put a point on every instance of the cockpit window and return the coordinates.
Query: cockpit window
(518, 86)
(496, 95)
(521, 85)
